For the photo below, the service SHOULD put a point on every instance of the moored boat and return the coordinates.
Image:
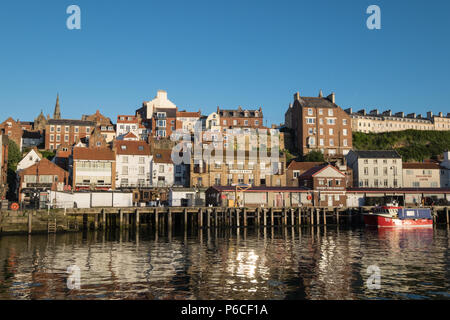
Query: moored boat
(393, 215)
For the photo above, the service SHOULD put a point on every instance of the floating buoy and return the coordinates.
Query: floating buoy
(15, 206)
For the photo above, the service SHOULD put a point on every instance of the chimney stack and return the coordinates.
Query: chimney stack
(429, 115)
(332, 97)
(297, 96)
(374, 112)
(441, 114)
(400, 114)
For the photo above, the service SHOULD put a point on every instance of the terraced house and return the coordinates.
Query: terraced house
(241, 169)
(92, 168)
(133, 162)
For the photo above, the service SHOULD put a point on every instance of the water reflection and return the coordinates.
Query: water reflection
(271, 263)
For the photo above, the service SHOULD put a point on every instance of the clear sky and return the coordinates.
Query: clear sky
(222, 53)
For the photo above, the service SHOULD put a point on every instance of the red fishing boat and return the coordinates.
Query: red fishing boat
(392, 215)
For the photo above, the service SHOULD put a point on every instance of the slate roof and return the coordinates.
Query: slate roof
(71, 122)
(377, 154)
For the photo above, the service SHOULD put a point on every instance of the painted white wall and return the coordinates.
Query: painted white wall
(30, 159)
(165, 170)
(133, 165)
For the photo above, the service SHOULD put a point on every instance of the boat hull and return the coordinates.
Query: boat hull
(373, 220)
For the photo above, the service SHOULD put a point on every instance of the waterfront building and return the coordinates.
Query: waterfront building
(445, 172)
(295, 169)
(328, 186)
(319, 124)
(186, 197)
(386, 121)
(261, 196)
(421, 175)
(133, 162)
(37, 180)
(376, 168)
(162, 168)
(92, 168)
(241, 169)
(32, 157)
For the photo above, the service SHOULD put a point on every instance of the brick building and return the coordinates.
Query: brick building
(92, 168)
(66, 132)
(240, 118)
(319, 124)
(36, 180)
(103, 124)
(13, 130)
(328, 185)
(295, 169)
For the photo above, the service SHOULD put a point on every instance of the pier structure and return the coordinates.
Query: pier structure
(168, 218)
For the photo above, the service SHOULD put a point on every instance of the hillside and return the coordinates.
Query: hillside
(412, 145)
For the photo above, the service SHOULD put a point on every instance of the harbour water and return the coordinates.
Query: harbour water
(267, 263)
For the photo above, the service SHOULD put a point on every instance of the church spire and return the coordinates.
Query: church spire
(57, 113)
(320, 94)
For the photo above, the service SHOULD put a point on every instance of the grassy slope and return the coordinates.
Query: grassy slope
(413, 145)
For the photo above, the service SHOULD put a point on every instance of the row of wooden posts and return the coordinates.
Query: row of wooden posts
(160, 218)
(218, 217)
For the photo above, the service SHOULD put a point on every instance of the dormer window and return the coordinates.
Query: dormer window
(123, 147)
(141, 148)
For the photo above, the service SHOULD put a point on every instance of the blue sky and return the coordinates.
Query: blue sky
(222, 53)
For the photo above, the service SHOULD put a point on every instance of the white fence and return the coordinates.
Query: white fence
(90, 199)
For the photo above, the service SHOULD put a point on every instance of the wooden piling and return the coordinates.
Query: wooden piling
(284, 217)
(120, 219)
(215, 218)
(95, 221)
(156, 219)
(169, 220)
(311, 212)
(258, 216)
(271, 217)
(245, 218)
(30, 221)
(208, 218)
(265, 217)
(185, 218)
(237, 217)
(337, 215)
(137, 219)
(200, 218)
(103, 219)
(324, 217)
(292, 217)
(446, 214)
(299, 211)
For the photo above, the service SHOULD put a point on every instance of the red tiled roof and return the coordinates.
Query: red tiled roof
(303, 166)
(43, 167)
(132, 147)
(187, 114)
(162, 156)
(81, 153)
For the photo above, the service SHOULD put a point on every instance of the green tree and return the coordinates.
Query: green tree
(14, 156)
(314, 156)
